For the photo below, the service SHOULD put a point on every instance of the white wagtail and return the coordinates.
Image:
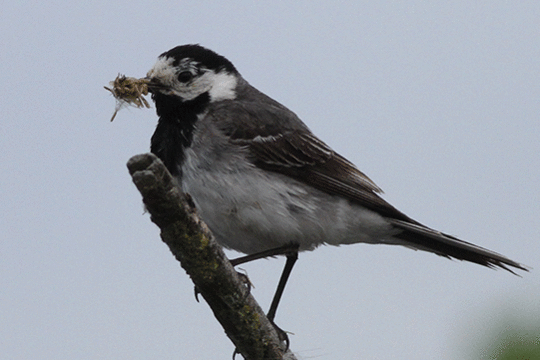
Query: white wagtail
(261, 180)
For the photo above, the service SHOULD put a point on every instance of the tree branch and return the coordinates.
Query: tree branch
(193, 245)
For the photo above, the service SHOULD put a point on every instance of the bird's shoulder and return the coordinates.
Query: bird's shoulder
(252, 114)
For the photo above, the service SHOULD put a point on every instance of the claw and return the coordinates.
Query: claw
(282, 334)
(247, 283)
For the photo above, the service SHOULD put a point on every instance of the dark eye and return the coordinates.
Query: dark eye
(185, 76)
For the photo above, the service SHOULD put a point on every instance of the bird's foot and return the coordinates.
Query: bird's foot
(282, 335)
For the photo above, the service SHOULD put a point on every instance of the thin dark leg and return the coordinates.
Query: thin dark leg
(291, 259)
(291, 252)
(282, 250)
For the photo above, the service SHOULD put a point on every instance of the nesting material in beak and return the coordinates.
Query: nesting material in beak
(129, 91)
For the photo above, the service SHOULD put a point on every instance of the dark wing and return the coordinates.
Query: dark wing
(279, 141)
(302, 156)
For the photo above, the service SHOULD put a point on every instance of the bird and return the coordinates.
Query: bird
(262, 181)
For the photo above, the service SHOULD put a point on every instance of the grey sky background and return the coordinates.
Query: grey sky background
(438, 102)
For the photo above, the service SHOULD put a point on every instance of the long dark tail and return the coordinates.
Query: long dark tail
(424, 238)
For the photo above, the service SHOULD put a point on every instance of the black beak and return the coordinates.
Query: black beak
(154, 85)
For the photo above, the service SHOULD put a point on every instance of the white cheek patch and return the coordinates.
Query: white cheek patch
(223, 87)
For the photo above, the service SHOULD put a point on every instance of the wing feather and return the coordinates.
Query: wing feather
(302, 156)
(278, 141)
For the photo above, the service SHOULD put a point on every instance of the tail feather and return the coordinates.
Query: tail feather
(424, 238)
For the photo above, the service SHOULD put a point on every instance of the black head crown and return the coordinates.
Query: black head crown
(202, 55)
